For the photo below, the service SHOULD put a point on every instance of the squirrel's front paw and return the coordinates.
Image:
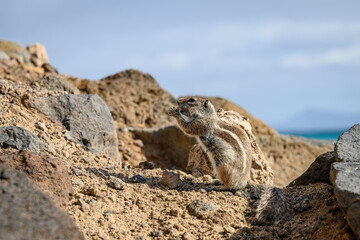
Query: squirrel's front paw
(173, 111)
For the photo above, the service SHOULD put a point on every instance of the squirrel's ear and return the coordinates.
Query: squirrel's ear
(206, 103)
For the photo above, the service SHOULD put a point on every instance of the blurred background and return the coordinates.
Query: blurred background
(293, 64)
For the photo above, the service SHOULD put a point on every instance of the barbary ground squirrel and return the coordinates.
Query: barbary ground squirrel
(229, 150)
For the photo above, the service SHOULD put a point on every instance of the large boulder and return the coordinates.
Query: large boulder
(345, 176)
(136, 99)
(26, 213)
(347, 148)
(50, 174)
(86, 118)
(18, 138)
(318, 172)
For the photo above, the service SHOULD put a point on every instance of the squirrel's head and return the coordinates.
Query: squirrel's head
(193, 107)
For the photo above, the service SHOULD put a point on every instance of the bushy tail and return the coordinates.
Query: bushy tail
(272, 206)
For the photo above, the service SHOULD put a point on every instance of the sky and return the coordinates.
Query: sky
(277, 59)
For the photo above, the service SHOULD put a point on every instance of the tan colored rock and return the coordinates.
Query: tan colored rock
(38, 55)
(15, 50)
(136, 99)
(261, 172)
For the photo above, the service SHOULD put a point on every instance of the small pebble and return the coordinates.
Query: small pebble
(138, 179)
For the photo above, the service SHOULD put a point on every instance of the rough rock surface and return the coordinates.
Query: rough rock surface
(50, 174)
(26, 213)
(168, 147)
(55, 82)
(86, 117)
(318, 172)
(38, 55)
(260, 171)
(345, 177)
(136, 98)
(18, 138)
(347, 148)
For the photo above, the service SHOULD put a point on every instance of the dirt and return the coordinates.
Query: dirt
(111, 201)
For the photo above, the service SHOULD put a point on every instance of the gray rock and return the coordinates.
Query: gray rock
(345, 177)
(201, 209)
(318, 172)
(347, 148)
(137, 179)
(3, 55)
(87, 119)
(170, 179)
(26, 213)
(18, 138)
(116, 184)
(55, 82)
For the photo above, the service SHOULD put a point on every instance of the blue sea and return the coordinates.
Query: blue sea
(323, 135)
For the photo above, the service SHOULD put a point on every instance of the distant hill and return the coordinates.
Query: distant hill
(313, 120)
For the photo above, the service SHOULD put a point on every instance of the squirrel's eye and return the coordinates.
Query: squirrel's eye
(191, 100)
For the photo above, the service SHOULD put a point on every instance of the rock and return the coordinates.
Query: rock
(38, 55)
(170, 179)
(260, 173)
(86, 117)
(136, 98)
(3, 55)
(50, 174)
(116, 184)
(137, 179)
(345, 177)
(201, 209)
(26, 213)
(168, 147)
(317, 172)
(146, 165)
(15, 50)
(55, 82)
(347, 148)
(18, 138)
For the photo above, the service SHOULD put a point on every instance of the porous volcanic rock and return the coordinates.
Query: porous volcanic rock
(347, 148)
(86, 117)
(136, 99)
(345, 177)
(18, 138)
(50, 174)
(26, 213)
(319, 171)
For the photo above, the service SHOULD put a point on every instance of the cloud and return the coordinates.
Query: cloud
(348, 56)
